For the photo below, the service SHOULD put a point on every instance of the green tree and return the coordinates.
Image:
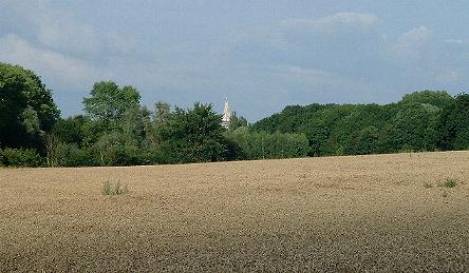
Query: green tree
(414, 127)
(237, 122)
(162, 112)
(318, 135)
(126, 143)
(27, 110)
(161, 116)
(367, 141)
(454, 125)
(71, 130)
(259, 145)
(360, 129)
(192, 135)
(108, 102)
(118, 127)
(439, 99)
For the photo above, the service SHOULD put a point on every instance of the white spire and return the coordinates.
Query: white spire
(225, 121)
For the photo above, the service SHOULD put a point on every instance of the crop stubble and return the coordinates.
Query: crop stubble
(335, 214)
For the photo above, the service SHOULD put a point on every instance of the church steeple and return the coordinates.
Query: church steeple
(225, 121)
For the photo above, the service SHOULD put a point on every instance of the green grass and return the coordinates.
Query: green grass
(449, 183)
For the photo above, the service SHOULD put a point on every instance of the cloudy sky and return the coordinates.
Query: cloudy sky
(262, 54)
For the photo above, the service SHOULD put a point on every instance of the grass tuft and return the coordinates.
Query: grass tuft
(114, 188)
(449, 183)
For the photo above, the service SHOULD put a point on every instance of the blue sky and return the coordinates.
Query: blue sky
(263, 55)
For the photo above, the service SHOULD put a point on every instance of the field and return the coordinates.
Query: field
(384, 213)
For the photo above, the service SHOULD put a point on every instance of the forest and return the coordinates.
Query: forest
(115, 129)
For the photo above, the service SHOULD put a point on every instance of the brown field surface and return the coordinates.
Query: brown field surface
(384, 213)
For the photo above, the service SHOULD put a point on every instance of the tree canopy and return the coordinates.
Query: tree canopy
(109, 102)
(421, 121)
(193, 135)
(27, 110)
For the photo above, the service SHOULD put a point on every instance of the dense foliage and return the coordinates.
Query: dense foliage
(421, 121)
(27, 111)
(256, 145)
(116, 129)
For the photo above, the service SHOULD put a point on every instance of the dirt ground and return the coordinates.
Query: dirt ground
(384, 213)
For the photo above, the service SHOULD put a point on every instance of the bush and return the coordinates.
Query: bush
(114, 149)
(20, 157)
(70, 155)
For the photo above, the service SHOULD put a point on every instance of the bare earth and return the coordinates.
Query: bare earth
(384, 213)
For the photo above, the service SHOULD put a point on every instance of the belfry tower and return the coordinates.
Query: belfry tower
(226, 119)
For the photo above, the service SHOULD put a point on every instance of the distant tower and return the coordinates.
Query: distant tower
(225, 121)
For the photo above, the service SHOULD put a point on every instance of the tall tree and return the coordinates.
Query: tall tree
(27, 110)
(117, 127)
(454, 125)
(109, 102)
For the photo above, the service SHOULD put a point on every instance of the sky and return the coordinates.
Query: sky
(262, 55)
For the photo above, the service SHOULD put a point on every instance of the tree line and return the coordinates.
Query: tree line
(421, 121)
(116, 129)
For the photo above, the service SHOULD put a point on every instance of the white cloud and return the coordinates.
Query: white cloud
(412, 43)
(454, 41)
(67, 35)
(316, 83)
(81, 39)
(68, 72)
(60, 29)
(332, 23)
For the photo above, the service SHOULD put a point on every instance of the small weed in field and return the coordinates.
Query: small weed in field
(114, 188)
(449, 183)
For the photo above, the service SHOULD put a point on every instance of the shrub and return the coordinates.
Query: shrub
(70, 155)
(114, 188)
(114, 149)
(20, 157)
